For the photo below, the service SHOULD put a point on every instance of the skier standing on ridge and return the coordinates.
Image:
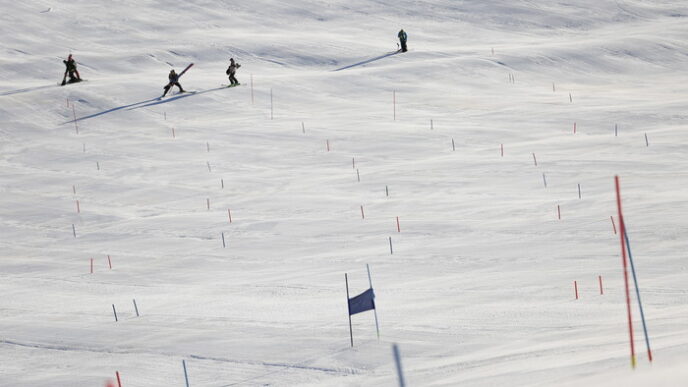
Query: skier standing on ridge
(231, 70)
(174, 81)
(402, 38)
(70, 65)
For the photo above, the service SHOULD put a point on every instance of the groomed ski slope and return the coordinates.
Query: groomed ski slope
(479, 288)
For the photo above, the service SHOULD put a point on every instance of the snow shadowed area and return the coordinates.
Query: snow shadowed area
(479, 288)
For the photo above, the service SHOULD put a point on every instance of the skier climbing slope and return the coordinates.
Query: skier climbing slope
(174, 80)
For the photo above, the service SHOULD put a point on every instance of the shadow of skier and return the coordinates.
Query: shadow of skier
(140, 104)
(26, 90)
(109, 111)
(159, 101)
(368, 61)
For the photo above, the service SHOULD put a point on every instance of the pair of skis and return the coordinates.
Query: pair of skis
(66, 83)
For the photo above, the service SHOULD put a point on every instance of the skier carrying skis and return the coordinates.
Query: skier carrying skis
(174, 81)
(70, 65)
(231, 70)
(402, 38)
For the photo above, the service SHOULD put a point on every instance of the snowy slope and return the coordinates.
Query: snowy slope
(479, 288)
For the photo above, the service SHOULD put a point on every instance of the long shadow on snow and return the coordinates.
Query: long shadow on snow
(185, 95)
(148, 102)
(368, 61)
(110, 110)
(18, 91)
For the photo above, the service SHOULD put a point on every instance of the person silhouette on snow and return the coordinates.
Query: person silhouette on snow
(402, 38)
(70, 70)
(231, 71)
(174, 81)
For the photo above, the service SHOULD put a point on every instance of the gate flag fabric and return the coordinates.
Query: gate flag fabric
(363, 302)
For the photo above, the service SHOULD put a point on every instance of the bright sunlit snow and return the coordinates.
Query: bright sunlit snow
(468, 138)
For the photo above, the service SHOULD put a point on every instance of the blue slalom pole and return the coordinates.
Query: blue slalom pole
(377, 325)
(186, 376)
(637, 293)
(397, 360)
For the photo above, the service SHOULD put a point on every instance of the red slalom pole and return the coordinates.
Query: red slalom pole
(362, 214)
(624, 259)
(599, 278)
(613, 225)
(109, 262)
(119, 382)
(91, 265)
(398, 228)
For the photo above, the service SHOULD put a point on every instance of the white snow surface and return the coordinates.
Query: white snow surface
(479, 288)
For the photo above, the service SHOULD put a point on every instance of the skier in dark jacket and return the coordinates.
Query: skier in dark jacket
(70, 70)
(174, 81)
(402, 38)
(231, 70)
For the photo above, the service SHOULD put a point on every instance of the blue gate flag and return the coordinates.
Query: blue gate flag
(362, 302)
